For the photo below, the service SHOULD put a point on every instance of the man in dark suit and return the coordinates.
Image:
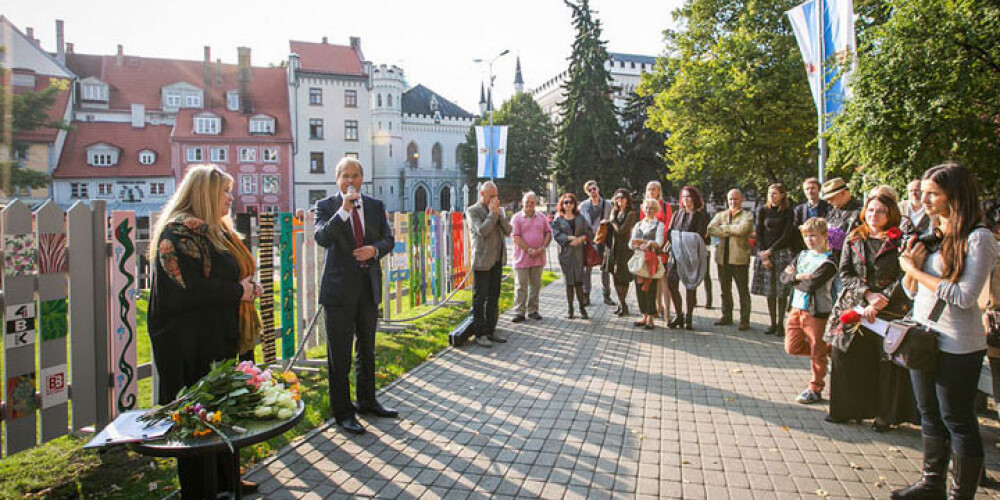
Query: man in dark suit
(812, 207)
(355, 232)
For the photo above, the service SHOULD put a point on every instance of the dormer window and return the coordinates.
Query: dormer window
(147, 157)
(207, 124)
(102, 155)
(181, 95)
(262, 124)
(233, 100)
(192, 101)
(172, 100)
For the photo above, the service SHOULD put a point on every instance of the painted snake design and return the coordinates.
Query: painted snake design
(126, 400)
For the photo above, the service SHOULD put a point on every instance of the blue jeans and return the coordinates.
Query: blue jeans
(947, 399)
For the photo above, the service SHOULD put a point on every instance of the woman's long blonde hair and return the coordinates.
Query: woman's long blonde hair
(198, 196)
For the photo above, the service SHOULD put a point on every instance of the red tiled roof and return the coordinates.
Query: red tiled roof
(56, 112)
(328, 58)
(73, 162)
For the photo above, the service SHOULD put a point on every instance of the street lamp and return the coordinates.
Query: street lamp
(489, 105)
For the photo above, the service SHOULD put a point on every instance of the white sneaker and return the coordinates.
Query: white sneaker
(809, 397)
(483, 342)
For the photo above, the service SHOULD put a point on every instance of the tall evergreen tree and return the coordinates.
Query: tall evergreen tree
(529, 140)
(642, 148)
(587, 138)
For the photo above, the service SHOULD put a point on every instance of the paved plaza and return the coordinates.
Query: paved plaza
(601, 409)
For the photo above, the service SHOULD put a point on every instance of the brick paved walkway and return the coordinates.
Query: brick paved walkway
(600, 409)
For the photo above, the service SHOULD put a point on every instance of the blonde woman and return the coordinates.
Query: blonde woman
(655, 191)
(200, 302)
(648, 236)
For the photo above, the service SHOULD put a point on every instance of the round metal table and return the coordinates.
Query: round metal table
(256, 431)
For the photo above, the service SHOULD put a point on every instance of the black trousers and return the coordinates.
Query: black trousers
(350, 328)
(486, 300)
(647, 300)
(204, 477)
(741, 274)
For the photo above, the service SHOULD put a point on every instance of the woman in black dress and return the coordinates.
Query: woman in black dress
(775, 240)
(691, 218)
(195, 302)
(617, 251)
(863, 384)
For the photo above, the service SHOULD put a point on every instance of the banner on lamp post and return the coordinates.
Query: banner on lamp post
(491, 146)
(824, 30)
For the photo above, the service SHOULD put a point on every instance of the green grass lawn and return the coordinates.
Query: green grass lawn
(62, 469)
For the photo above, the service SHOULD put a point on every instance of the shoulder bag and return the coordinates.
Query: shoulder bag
(591, 257)
(912, 345)
(602, 232)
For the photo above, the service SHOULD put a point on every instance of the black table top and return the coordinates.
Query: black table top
(257, 431)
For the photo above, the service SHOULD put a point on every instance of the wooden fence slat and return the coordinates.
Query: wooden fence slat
(83, 374)
(53, 379)
(287, 292)
(102, 348)
(122, 313)
(20, 327)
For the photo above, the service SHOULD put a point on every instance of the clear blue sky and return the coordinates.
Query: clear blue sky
(435, 41)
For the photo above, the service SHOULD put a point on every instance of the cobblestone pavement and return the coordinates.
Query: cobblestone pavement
(601, 409)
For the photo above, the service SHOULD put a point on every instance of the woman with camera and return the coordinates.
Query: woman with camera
(946, 279)
(863, 384)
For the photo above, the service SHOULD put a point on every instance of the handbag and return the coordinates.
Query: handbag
(912, 345)
(637, 266)
(992, 328)
(591, 257)
(602, 233)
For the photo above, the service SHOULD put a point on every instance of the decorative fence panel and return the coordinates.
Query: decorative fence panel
(122, 313)
(53, 379)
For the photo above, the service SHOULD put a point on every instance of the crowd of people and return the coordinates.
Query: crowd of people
(927, 257)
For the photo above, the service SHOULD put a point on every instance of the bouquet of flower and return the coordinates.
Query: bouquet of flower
(836, 237)
(229, 393)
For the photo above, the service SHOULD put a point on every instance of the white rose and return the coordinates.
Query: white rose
(285, 413)
(263, 412)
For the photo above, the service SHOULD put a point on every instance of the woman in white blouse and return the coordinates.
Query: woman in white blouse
(647, 236)
(946, 280)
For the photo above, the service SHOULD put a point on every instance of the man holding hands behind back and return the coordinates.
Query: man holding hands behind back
(355, 232)
(487, 229)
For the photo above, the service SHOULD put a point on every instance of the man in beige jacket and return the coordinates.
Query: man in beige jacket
(732, 255)
(487, 229)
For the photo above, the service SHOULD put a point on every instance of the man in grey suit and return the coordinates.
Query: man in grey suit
(487, 229)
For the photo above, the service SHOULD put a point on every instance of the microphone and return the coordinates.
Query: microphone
(352, 190)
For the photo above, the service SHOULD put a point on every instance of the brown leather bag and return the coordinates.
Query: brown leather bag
(602, 233)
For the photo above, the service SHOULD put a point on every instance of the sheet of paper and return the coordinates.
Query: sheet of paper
(128, 429)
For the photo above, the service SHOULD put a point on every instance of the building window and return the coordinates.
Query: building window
(315, 128)
(436, 155)
(248, 155)
(262, 125)
(78, 190)
(270, 184)
(412, 155)
(390, 125)
(269, 209)
(94, 92)
(147, 157)
(378, 100)
(22, 190)
(390, 146)
(316, 195)
(173, 100)
(105, 189)
(389, 97)
(269, 155)
(157, 189)
(194, 155)
(351, 154)
(248, 184)
(233, 100)
(350, 98)
(103, 159)
(220, 155)
(350, 130)
(316, 165)
(192, 101)
(207, 125)
(315, 96)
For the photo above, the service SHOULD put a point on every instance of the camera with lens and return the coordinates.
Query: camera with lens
(931, 240)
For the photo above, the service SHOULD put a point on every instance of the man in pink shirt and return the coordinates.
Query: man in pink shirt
(531, 234)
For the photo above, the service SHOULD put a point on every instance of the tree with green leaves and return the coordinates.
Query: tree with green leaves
(732, 95)
(643, 154)
(587, 136)
(529, 141)
(925, 91)
(29, 111)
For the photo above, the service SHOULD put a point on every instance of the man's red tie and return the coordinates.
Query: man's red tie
(359, 235)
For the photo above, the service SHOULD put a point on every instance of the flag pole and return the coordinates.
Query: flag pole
(821, 122)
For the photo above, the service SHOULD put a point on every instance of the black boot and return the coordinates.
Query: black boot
(622, 306)
(932, 485)
(584, 301)
(569, 301)
(677, 322)
(689, 317)
(965, 475)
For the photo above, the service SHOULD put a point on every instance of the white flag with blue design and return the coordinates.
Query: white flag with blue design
(492, 151)
(837, 44)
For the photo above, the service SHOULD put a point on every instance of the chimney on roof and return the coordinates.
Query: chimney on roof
(326, 40)
(120, 57)
(218, 71)
(69, 48)
(356, 42)
(30, 33)
(245, 76)
(138, 115)
(206, 76)
(60, 42)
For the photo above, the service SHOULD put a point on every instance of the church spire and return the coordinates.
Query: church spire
(518, 81)
(482, 97)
